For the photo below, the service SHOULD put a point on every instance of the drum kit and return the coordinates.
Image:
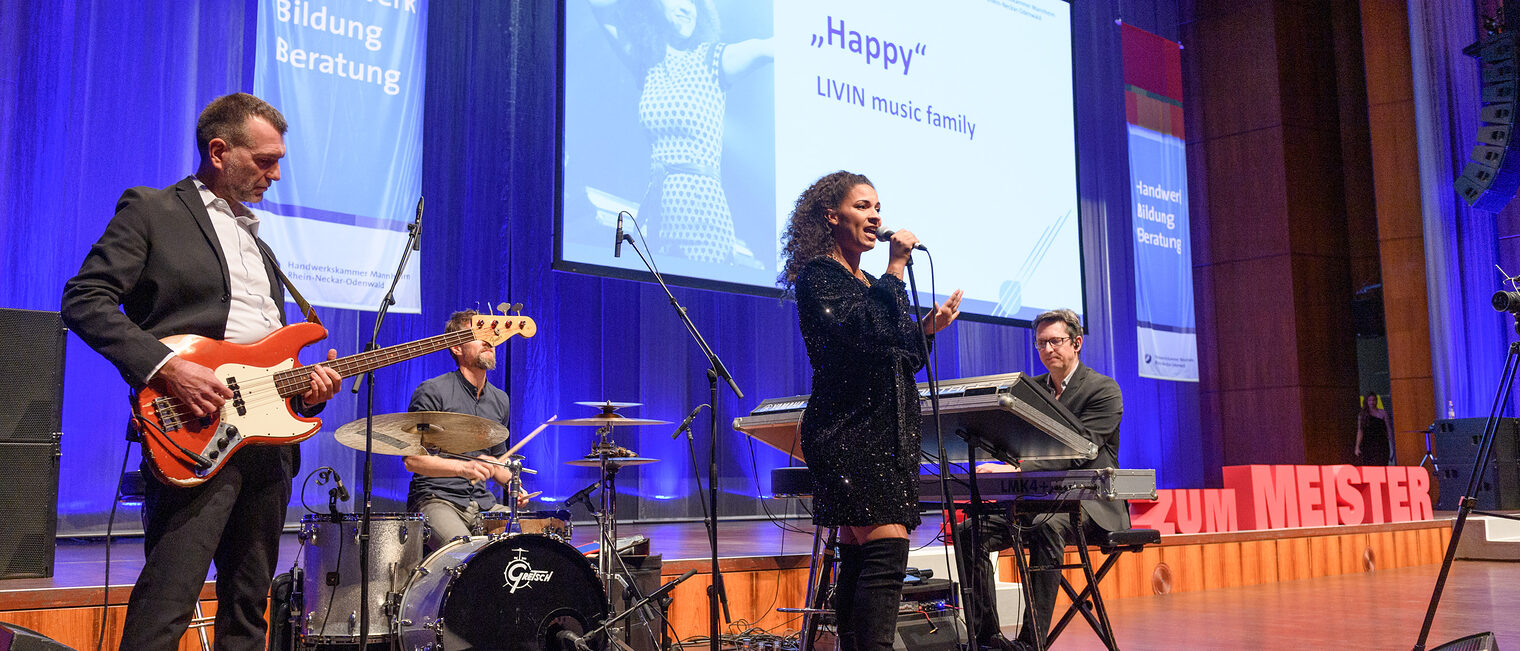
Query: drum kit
(519, 586)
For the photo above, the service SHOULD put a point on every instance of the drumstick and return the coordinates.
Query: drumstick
(530, 436)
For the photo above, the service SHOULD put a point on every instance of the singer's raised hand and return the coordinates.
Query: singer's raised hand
(943, 315)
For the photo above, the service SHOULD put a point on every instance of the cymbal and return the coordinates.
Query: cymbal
(594, 461)
(613, 419)
(411, 433)
(609, 404)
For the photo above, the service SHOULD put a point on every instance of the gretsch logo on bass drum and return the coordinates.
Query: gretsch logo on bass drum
(519, 573)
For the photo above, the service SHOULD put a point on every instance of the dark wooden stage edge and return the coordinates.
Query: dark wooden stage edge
(766, 568)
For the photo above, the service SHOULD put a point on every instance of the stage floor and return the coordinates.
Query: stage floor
(1372, 610)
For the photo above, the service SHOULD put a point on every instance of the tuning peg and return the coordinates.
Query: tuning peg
(503, 308)
(517, 308)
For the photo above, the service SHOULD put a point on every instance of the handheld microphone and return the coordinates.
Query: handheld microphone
(886, 236)
(686, 424)
(617, 247)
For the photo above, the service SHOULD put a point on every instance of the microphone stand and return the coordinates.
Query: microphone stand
(413, 243)
(966, 575)
(1468, 503)
(715, 370)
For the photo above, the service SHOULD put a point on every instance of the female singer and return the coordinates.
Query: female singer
(860, 432)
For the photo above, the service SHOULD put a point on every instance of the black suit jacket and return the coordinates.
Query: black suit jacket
(158, 270)
(1097, 402)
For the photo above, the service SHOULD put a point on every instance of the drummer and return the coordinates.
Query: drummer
(452, 493)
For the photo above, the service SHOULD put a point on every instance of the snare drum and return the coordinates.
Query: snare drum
(330, 614)
(549, 523)
(514, 592)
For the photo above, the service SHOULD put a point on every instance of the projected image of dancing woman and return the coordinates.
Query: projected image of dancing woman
(860, 432)
(673, 47)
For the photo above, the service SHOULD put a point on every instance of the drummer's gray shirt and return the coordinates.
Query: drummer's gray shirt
(452, 392)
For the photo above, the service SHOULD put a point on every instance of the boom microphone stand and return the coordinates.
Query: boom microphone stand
(413, 243)
(1504, 301)
(716, 370)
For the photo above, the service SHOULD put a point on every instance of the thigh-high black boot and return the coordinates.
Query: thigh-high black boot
(878, 594)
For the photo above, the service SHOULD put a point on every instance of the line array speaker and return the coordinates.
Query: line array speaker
(1490, 179)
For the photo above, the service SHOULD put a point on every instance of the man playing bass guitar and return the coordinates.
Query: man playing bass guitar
(186, 260)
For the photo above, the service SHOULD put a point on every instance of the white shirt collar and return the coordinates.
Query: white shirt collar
(239, 212)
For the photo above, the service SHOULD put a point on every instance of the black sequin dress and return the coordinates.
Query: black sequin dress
(860, 432)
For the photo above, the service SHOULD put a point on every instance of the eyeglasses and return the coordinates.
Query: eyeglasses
(1053, 342)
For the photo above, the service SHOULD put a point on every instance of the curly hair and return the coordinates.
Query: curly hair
(648, 31)
(807, 233)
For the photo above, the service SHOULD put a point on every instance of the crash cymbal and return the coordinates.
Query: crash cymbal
(608, 404)
(411, 433)
(613, 419)
(594, 461)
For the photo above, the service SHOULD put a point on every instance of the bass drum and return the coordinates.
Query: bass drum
(514, 593)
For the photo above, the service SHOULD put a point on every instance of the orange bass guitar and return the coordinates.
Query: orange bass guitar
(263, 376)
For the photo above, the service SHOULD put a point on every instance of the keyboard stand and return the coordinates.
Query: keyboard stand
(1096, 615)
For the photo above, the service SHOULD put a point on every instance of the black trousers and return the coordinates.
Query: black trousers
(234, 520)
(1046, 537)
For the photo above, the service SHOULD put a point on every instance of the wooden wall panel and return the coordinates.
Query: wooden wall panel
(79, 627)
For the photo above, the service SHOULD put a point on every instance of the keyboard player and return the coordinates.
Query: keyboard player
(1096, 400)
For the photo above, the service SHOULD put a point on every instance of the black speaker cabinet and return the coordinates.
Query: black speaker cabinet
(1474, 642)
(645, 630)
(1456, 444)
(16, 638)
(31, 415)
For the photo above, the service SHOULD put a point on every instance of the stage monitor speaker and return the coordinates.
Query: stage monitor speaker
(1490, 179)
(642, 631)
(31, 415)
(1456, 446)
(1474, 642)
(16, 638)
(928, 630)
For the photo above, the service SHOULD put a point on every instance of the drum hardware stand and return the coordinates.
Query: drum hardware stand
(413, 243)
(1510, 303)
(572, 642)
(514, 487)
(715, 371)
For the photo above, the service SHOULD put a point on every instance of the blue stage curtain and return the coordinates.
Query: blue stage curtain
(1467, 337)
(99, 97)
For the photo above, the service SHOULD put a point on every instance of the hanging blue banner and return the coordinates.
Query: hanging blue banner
(1167, 330)
(348, 76)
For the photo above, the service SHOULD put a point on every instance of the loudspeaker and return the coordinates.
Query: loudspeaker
(1456, 444)
(1490, 179)
(643, 631)
(928, 629)
(31, 415)
(31, 376)
(927, 620)
(16, 638)
(1474, 642)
